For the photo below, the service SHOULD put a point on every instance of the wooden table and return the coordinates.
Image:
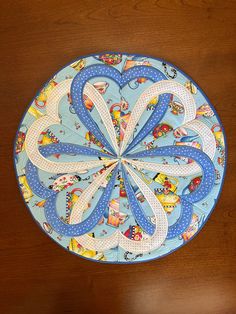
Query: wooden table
(37, 39)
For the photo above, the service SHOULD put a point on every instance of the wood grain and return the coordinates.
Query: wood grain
(37, 39)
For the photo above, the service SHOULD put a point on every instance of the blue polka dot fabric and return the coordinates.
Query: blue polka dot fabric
(120, 158)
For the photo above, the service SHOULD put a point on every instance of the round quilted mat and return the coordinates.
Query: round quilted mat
(120, 158)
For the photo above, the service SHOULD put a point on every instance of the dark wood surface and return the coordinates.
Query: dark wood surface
(37, 39)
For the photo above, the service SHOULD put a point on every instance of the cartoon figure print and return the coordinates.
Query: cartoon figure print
(25, 188)
(167, 195)
(220, 144)
(193, 228)
(119, 117)
(41, 99)
(20, 139)
(75, 247)
(110, 58)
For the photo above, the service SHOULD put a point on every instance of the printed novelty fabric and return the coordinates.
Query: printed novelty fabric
(120, 158)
